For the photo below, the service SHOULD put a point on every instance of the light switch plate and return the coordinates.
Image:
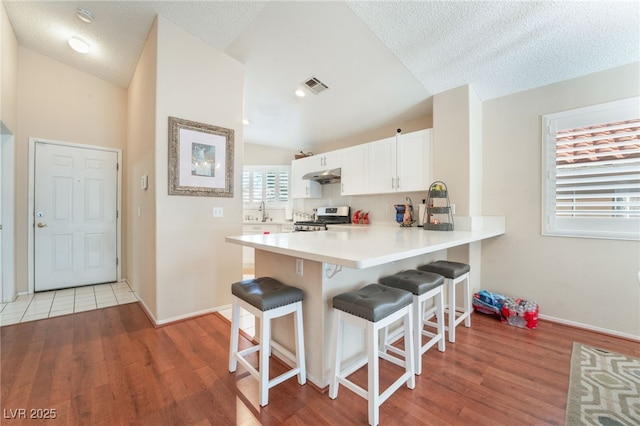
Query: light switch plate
(144, 182)
(299, 267)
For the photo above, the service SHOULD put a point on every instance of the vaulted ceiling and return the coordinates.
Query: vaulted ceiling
(382, 61)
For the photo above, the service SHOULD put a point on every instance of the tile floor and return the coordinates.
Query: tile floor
(49, 304)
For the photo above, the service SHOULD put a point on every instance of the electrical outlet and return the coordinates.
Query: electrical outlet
(218, 212)
(387, 208)
(299, 267)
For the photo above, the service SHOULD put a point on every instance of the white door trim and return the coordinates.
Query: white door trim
(31, 209)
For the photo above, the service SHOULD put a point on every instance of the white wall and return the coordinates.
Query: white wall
(263, 155)
(195, 266)
(60, 103)
(8, 126)
(8, 73)
(140, 160)
(583, 281)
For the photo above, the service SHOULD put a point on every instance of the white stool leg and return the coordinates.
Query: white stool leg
(410, 348)
(467, 301)
(300, 359)
(451, 326)
(418, 313)
(235, 331)
(374, 380)
(440, 318)
(265, 336)
(336, 354)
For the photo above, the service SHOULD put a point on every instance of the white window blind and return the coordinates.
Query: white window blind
(270, 184)
(592, 171)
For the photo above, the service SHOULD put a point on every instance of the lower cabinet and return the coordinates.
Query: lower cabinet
(248, 254)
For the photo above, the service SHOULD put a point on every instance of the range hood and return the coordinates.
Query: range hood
(324, 176)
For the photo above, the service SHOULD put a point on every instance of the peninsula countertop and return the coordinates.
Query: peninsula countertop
(364, 246)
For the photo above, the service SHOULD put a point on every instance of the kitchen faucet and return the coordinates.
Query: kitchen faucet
(263, 209)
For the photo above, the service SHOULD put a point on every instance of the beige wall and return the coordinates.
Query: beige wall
(8, 73)
(140, 160)
(260, 155)
(578, 280)
(57, 102)
(195, 266)
(424, 122)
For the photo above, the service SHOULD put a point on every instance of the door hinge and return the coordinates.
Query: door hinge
(117, 214)
(117, 166)
(117, 261)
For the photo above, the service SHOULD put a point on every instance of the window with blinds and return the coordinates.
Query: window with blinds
(592, 171)
(265, 183)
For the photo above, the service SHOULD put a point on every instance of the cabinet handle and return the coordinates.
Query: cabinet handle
(398, 182)
(393, 183)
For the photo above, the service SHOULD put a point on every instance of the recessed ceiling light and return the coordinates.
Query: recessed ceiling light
(79, 45)
(300, 93)
(84, 15)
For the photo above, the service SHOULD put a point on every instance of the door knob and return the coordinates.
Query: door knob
(42, 225)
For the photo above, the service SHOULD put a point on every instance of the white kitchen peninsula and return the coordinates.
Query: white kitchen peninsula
(345, 258)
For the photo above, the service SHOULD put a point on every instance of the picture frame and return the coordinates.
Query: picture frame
(200, 159)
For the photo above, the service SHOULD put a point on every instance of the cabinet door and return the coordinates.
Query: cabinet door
(331, 160)
(382, 165)
(354, 179)
(414, 161)
(301, 188)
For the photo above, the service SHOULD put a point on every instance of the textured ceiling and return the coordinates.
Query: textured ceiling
(382, 60)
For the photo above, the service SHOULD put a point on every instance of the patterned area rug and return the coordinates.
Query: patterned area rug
(604, 388)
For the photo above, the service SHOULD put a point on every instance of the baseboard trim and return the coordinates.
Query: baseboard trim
(590, 328)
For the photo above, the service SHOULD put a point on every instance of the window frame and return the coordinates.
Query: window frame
(265, 169)
(582, 227)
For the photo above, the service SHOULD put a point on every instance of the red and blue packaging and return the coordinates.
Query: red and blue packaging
(513, 311)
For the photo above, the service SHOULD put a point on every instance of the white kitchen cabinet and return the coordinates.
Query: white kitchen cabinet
(248, 253)
(414, 161)
(301, 188)
(325, 161)
(400, 166)
(354, 179)
(382, 166)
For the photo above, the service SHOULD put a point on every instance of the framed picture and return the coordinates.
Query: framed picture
(200, 159)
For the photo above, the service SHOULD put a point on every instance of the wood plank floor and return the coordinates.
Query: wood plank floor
(112, 367)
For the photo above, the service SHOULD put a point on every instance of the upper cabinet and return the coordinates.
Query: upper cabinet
(414, 166)
(355, 170)
(326, 161)
(402, 164)
(301, 188)
(394, 164)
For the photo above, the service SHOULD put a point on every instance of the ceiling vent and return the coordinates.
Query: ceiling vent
(315, 85)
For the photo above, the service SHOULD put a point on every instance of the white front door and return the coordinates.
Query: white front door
(75, 216)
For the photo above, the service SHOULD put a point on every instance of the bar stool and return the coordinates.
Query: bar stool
(267, 298)
(455, 273)
(425, 287)
(372, 308)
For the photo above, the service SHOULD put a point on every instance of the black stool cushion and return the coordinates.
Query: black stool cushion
(266, 293)
(416, 282)
(373, 302)
(446, 268)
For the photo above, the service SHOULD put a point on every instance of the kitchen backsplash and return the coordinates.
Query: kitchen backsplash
(380, 206)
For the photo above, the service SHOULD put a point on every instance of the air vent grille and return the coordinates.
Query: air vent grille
(315, 85)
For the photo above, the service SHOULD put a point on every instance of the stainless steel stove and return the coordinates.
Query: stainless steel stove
(325, 216)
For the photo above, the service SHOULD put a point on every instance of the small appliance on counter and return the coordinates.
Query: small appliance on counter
(324, 216)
